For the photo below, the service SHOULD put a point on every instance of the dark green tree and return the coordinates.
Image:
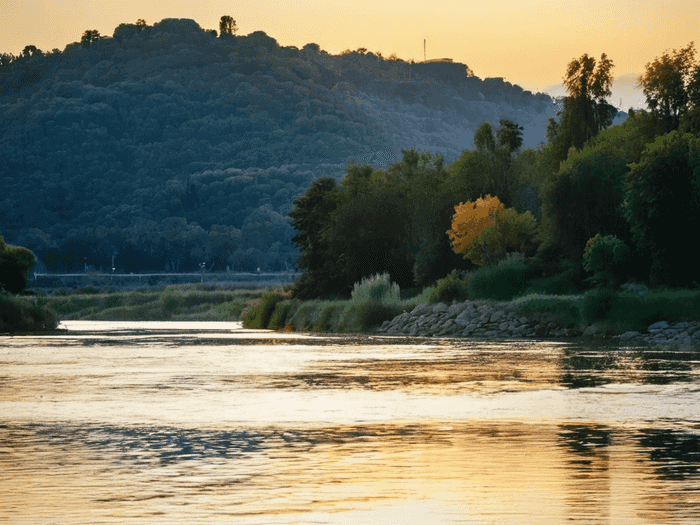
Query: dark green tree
(585, 111)
(15, 263)
(89, 36)
(671, 84)
(227, 26)
(311, 216)
(662, 204)
(510, 136)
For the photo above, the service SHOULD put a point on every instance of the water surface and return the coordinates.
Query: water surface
(207, 422)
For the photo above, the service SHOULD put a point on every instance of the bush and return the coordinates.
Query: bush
(260, 311)
(501, 282)
(25, 315)
(563, 308)
(453, 287)
(607, 258)
(596, 304)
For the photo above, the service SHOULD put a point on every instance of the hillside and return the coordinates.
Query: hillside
(167, 146)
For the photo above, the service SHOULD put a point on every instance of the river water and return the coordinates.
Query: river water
(210, 423)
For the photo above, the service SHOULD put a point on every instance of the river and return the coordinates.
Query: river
(210, 423)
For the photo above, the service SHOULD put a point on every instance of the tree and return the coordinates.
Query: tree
(671, 84)
(483, 137)
(15, 263)
(662, 204)
(311, 216)
(89, 36)
(484, 231)
(585, 110)
(227, 26)
(470, 219)
(141, 24)
(509, 136)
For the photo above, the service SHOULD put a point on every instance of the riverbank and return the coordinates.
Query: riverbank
(633, 315)
(505, 320)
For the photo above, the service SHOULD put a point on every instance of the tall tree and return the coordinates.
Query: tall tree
(671, 84)
(227, 26)
(586, 111)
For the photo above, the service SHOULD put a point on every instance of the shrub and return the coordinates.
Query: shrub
(607, 258)
(364, 316)
(596, 304)
(452, 288)
(260, 311)
(501, 282)
(563, 308)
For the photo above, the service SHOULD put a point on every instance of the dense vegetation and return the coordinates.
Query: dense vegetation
(613, 203)
(167, 146)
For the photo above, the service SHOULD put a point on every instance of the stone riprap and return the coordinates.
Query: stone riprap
(502, 320)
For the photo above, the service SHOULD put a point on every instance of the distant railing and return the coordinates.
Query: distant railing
(65, 279)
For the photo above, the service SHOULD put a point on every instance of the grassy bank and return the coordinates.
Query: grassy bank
(616, 312)
(25, 314)
(173, 303)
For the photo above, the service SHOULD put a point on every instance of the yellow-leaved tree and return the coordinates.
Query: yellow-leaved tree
(484, 230)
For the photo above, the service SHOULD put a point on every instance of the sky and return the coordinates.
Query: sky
(527, 42)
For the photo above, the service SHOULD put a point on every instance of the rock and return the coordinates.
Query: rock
(422, 309)
(439, 308)
(661, 325)
(629, 335)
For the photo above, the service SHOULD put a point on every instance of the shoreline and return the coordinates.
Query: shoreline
(501, 320)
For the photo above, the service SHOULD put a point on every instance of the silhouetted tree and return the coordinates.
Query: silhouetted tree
(586, 111)
(15, 263)
(227, 25)
(671, 84)
(89, 36)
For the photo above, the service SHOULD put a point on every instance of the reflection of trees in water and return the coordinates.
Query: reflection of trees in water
(675, 455)
(589, 485)
(590, 367)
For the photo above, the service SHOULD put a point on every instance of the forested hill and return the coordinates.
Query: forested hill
(167, 145)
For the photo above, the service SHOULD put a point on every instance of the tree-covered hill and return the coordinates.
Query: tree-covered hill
(169, 145)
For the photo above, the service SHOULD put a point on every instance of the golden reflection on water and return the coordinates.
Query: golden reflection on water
(137, 423)
(490, 472)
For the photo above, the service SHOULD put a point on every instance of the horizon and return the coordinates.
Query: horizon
(631, 34)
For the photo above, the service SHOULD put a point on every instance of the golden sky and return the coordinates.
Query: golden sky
(528, 42)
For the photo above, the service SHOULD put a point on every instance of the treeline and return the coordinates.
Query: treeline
(596, 205)
(170, 145)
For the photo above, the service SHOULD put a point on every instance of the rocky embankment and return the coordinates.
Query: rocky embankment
(502, 320)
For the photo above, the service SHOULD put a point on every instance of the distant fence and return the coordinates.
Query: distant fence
(244, 279)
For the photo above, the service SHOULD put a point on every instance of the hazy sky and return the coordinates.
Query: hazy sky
(528, 42)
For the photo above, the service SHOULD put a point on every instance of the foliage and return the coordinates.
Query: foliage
(227, 26)
(15, 264)
(453, 287)
(671, 84)
(607, 258)
(585, 196)
(484, 231)
(596, 304)
(662, 204)
(585, 110)
(89, 36)
(311, 217)
(260, 310)
(20, 314)
(502, 282)
(509, 232)
(470, 219)
(564, 308)
(377, 288)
